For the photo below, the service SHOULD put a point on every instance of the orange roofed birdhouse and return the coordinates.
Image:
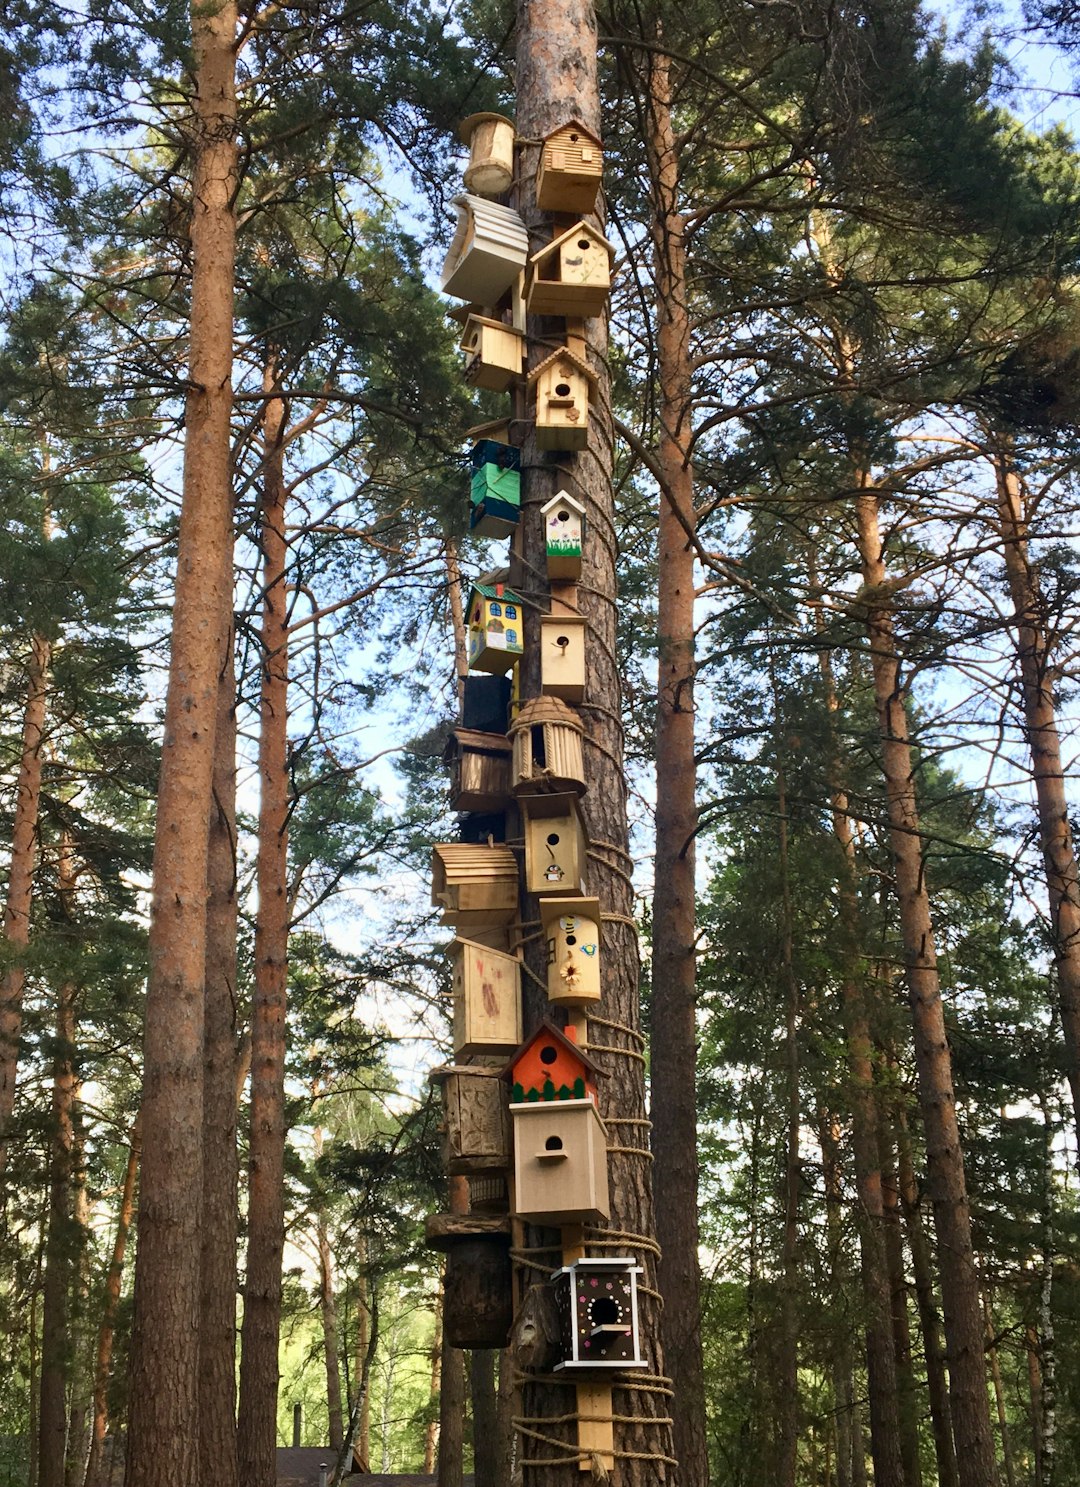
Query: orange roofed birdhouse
(550, 1066)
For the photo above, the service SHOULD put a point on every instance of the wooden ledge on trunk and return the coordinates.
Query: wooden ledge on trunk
(441, 1230)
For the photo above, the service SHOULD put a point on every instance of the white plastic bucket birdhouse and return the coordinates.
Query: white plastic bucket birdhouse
(572, 275)
(494, 353)
(487, 999)
(564, 534)
(555, 844)
(563, 385)
(488, 251)
(479, 770)
(562, 656)
(476, 1123)
(560, 1162)
(546, 739)
(597, 1303)
(571, 165)
(475, 884)
(490, 138)
(572, 928)
(494, 628)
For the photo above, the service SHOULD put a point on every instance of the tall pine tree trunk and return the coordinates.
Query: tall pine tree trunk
(787, 1372)
(164, 1423)
(266, 1171)
(901, 1327)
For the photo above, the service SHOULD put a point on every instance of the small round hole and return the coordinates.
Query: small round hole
(571, 939)
(574, 139)
(553, 839)
(604, 1311)
(583, 244)
(562, 389)
(548, 1055)
(564, 515)
(554, 1143)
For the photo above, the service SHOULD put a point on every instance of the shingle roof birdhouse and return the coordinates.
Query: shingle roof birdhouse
(547, 755)
(572, 927)
(550, 1066)
(475, 883)
(564, 532)
(597, 1304)
(494, 353)
(488, 251)
(490, 138)
(494, 621)
(571, 165)
(572, 275)
(563, 384)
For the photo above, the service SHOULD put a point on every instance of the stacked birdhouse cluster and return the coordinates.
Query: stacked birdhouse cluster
(521, 1115)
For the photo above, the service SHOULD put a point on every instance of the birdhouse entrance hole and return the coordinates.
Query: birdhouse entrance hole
(539, 753)
(553, 1143)
(562, 389)
(604, 1312)
(548, 1056)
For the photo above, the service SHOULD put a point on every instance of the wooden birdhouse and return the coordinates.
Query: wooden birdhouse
(476, 1123)
(490, 138)
(476, 884)
(477, 1282)
(572, 275)
(546, 739)
(571, 165)
(572, 927)
(494, 353)
(496, 489)
(549, 1065)
(488, 251)
(563, 384)
(597, 1303)
(560, 1162)
(494, 621)
(486, 703)
(562, 656)
(555, 844)
(564, 532)
(479, 766)
(487, 999)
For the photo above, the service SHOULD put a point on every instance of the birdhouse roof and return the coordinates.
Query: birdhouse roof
(495, 591)
(497, 429)
(546, 710)
(470, 738)
(467, 126)
(564, 354)
(573, 124)
(549, 1031)
(579, 229)
(563, 498)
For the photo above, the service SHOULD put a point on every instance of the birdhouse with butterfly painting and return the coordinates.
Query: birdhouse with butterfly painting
(572, 275)
(572, 929)
(564, 533)
(494, 628)
(555, 844)
(486, 988)
(563, 385)
(571, 165)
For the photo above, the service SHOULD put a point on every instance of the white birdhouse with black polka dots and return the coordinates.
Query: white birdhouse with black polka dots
(597, 1301)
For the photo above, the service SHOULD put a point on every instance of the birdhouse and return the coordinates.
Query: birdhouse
(479, 766)
(487, 999)
(486, 703)
(476, 884)
(564, 531)
(494, 353)
(476, 1123)
(494, 621)
(562, 656)
(560, 1162)
(563, 385)
(496, 490)
(546, 739)
(555, 844)
(496, 452)
(572, 927)
(477, 1283)
(488, 251)
(490, 138)
(597, 1304)
(571, 164)
(549, 1065)
(572, 275)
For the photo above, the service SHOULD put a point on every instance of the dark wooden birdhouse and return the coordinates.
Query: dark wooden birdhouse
(563, 385)
(479, 765)
(572, 275)
(488, 251)
(564, 533)
(494, 353)
(546, 737)
(486, 703)
(476, 1123)
(555, 844)
(476, 884)
(572, 927)
(486, 988)
(597, 1303)
(490, 138)
(562, 656)
(571, 165)
(494, 627)
(477, 1284)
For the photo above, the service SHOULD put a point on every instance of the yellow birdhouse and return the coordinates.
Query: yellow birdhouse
(564, 533)
(494, 353)
(563, 385)
(562, 656)
(475, 883)
(487, 999)
(572, 927)
(555, 844)
(571, 165)
(494, 621)
(490, 138)
(546, 739)
(488, 251)
(560, 1162)
(572, 275)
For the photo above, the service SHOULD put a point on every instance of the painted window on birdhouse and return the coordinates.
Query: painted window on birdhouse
(511, 612)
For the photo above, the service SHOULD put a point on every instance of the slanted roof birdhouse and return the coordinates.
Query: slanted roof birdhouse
(564, 533)
(494, 353)
(487, 999)
(555, 844)
(490, 138)
(571, 165)
(563, 384)
(572, 927)
(475, 883)
(547, 755)
(494, 621)
(597, 1303)
(572, 275)
(549, 1065)
(488, 251)
(479, 766)
(562, 656)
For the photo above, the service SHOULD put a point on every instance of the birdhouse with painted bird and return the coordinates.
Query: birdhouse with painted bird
(571, 165)
(597, 1303)
(572, 928)
(555, 844)
(494, 628)
(564, 533)
(572, 275)
(563, 385)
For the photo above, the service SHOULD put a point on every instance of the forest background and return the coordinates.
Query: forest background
(845, 342)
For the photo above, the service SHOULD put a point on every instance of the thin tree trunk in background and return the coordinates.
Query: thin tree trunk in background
(858, 1447)
(164, 1424)
(945, 1162)
(431, 1431)
(257, 1433)
(79, 1395)
(21, 878)
(1047, 1342)
(457, 619)
(448, 1472)
(1034, 1374)
(999, 1396)
(485, 1423)
(832, 1180)
(907, 1394)
(220, 1174)
(328, 1312)
(97, 1466)
(673, 1026)
(787, 1378)
(363, 1335)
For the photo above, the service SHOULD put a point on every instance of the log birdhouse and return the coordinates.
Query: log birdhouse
(476, 1122)
(475, 884)
(564, 532)
(572, 275)
(563, 384)
(477, 1286)
(560, 1162)
(571, 165)
(490, 138)
(572, 927)
(494, 353)
(479, 766)
(597, 1303)
(487, 999)
(549, 1065)
(488, 251)
(562, 656)
(555, 844)
(546, 740)
(494, 620)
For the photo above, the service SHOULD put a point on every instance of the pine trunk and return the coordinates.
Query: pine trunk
(787, 1371)
(485, 1424)
(901, 1328)
(999, 1397)
(266, 1171)
(164, 1423)
(59, 1251)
